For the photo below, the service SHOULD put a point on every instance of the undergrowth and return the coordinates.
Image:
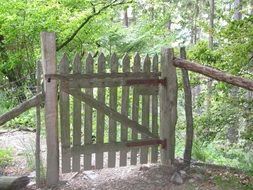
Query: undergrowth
(6, 157)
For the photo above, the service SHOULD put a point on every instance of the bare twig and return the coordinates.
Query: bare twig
(112, 4)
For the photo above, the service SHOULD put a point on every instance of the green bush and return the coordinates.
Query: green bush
(25, 120)
(5, 157)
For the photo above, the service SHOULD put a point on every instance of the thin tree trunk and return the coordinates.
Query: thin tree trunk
(126, 21)
(232, 132)
(237, 14)
(211, 23)
(188, 112)
(210, 44)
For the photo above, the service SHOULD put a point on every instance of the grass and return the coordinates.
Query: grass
(218, 152)
(6, 157)
(230, 183)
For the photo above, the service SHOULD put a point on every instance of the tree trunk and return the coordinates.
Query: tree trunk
(210, 44)
(251, 12)
(125, 21)
(13, 183)
(211, 23)
(188, 112)
(238, 7)
(232, 132)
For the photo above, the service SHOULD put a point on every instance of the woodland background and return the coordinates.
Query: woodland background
(217, 33)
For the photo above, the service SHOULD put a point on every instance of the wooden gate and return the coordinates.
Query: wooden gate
(109, 112)
(101, 116)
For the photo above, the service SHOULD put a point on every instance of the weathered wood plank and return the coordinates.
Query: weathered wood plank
(214, 73)
(168, 106)
(154, 150)
(100, 115)
(64, 119)
(108, 82)
(102, 79)
(105, 147)
(21, 108)
(48, 51)
(113, 105)
(124, 110)
(102, 107)
(38, 126)
(145, 112)
(76, 117)
(88, 116)
(135, 109)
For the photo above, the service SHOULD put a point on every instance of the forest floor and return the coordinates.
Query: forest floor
(141, 177)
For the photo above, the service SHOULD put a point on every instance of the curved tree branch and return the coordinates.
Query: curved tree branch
(112, 4)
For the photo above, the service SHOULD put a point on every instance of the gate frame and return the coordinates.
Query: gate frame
(168, 107)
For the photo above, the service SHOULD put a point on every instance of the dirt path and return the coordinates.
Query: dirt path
(142, 177)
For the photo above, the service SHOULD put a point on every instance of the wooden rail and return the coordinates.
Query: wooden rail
(214, 73)
(21, 108)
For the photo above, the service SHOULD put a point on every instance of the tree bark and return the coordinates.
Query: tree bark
(126, 20)
(188, 112)
(211, 23)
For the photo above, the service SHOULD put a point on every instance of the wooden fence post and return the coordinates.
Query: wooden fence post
(38, 126)
(168, 105)
(48, 51)
(188, 111)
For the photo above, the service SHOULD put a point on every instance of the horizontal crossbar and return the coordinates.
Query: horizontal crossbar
(98, 80)
(146, 81)
(114, 146)
(126, 75)
(147, 142)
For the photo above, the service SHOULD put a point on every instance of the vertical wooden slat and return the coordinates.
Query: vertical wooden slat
(154, 150)
(76, 118)
(135, 108)
(113, 105)
(145, 112)
(100, 116)
(48, 51)
(38, 126)
(64, 119)
(88, 116)
(168, 106)
(124, 110)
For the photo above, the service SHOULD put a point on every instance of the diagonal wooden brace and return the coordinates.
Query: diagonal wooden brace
(108, 111)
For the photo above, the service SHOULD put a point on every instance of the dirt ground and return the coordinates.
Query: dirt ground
(140, 177)
(147, 177)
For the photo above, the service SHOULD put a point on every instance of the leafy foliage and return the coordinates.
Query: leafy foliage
(5, 157)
